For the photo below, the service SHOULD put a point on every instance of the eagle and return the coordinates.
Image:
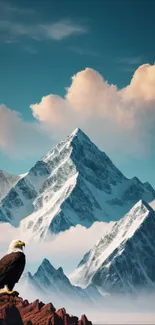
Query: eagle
(12, 266)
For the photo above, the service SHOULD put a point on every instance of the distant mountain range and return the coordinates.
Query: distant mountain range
(123, 260)
(50, 283)
(74, 183)
(77, 184)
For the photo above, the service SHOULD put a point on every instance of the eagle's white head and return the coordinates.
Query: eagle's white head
(16, 246)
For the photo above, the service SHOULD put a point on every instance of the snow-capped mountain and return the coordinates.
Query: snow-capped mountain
(124, 259)
(7, 181)
(74, 183)
(50, 283)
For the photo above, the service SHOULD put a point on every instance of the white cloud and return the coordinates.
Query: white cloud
(19, 138)
(119, 121)
(63, 29)
(64, 249)
(39, 32)
(13, 28)
(142, 87)
(113, 118)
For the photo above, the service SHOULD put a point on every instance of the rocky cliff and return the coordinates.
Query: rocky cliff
(16, 311)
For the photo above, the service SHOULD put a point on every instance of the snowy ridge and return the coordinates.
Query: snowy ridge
(123, 259)
(74, 183)
(41, 216)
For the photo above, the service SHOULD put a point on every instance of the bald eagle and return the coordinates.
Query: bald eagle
(12, 266)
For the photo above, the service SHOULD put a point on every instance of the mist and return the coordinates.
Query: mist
(113, 309)
(64, 249)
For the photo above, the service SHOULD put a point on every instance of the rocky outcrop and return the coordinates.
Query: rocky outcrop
(16, 311)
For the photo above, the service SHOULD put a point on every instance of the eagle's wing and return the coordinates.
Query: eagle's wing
(12, 264)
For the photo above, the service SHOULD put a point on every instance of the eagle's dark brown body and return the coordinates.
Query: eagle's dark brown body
(11, 268)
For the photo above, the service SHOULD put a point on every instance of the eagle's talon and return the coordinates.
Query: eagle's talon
(7, 292)
(13, 292)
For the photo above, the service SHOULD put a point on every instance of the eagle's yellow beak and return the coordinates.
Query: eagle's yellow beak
(21, 244)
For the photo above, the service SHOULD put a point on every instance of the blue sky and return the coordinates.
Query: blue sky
(42, 45)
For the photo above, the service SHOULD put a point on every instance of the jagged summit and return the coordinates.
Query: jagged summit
(45, 262)
(68, 143)
(46, 266)
(123, 259)
(78, 133)
(141, 204)
(29, 274)
(52, 283)
(74, 183)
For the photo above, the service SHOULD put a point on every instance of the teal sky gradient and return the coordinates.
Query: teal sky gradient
(117, 37)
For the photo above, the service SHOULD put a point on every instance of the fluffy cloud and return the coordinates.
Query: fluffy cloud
(114, 118)
(58, 247)
(119, 121)
(142, 86)
(19, 138)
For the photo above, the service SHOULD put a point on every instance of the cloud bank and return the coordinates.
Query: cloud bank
(64, 249)
(114, 118)
(119, 121)
(19, 139)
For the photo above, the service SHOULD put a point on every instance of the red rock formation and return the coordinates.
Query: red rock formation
(16, 311)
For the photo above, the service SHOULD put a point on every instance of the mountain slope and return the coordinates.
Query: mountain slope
(75, 183)
(7, 181)
(124, 259)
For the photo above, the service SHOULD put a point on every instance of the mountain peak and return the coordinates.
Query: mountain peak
(128, 245)
(48, 266)
(74, 183)
(46, 262)
(28, 275)
(45, 268)
(78, 133)
(142, 205)
(60, 270)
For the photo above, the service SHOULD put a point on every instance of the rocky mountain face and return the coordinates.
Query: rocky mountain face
(124, 259)
(7, 181)
(50, 283)
(74, 183)
(16, 311)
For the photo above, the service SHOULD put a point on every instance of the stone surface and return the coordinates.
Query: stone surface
(16, 311)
